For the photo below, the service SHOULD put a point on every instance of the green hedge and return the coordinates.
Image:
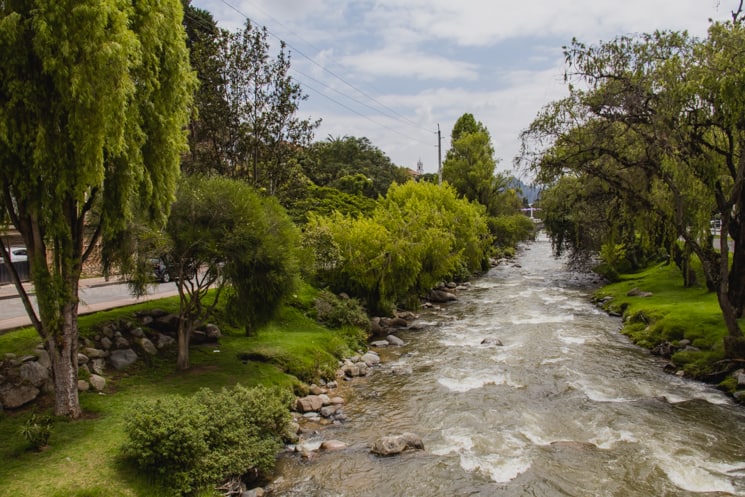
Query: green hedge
(191, 443)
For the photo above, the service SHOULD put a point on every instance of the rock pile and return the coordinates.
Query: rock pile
(115, 347)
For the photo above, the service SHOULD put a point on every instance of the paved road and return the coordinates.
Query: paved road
(96, 294)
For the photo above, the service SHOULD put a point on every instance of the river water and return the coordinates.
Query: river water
(566, 407)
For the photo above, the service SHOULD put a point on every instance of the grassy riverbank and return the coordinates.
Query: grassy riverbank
(661, 310)
(83, 458)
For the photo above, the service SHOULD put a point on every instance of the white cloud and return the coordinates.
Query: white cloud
(430, 61)
(393, 61)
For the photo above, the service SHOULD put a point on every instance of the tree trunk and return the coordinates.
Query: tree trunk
(737, 273)
(184, 337)
(734, 342)
(63, 352)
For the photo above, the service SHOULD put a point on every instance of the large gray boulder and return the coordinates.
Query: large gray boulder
(34, 373)
(441, 296)
(122, 359)
(97, 382)
(148, 346)
(370, 358)
(13, 396)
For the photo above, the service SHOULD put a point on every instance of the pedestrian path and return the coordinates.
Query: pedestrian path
(8, 292)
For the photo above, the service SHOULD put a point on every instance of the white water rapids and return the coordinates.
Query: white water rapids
(567, 407)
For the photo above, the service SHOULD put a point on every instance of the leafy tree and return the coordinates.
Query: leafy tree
(222, 232)
(94, 96)
(470, 167)
(469, 164)
(263, 101)
(657, 118)
(353, 165)
(324, 200)
(418, 235)
(211, 133)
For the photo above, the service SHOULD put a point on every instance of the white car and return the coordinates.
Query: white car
(17, 254)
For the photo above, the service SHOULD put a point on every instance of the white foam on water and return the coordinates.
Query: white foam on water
(607, 438)
(544, 319)
(505, 460)
(472, 339)
(569, 340)
(553, 299)
(454, 442)
(471, 382)
(699, 391)
(597, 392)
(553, 360)
(499, 469)
(692, 471)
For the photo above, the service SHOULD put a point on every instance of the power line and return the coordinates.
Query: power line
(368, 118)
(401, 118)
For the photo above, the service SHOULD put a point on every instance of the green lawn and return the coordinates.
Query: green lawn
(83, 458)
(672, 313)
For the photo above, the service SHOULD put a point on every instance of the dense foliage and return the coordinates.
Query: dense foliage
(193, 443)
(247, 125)
(94, 96)
(352, 165)
(654, 122)
(222, 231)
(418, 235)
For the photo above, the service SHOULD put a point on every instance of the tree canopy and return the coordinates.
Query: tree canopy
(657, 119)
(223, 236)
(94, 96)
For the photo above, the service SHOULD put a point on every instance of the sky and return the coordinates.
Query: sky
(394, 70)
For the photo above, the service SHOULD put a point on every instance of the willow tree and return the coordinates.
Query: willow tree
(94, 96)
(658, 119)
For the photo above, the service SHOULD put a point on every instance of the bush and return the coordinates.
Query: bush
(336, 312)
(37, 430)
(189, 444)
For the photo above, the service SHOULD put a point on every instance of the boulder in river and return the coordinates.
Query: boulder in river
(396, 444)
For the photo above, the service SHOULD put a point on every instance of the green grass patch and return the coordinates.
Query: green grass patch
(83, 458)
(671, 314)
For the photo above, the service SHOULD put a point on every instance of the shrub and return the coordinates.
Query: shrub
(336, 312)
(37, 430)
(188, 444)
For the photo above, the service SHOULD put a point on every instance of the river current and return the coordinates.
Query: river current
(566, 407)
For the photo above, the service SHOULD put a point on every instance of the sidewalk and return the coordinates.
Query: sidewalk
(8, 292)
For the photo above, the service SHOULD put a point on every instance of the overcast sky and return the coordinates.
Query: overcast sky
(392, 70)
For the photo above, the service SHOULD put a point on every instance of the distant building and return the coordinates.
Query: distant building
(415, 175)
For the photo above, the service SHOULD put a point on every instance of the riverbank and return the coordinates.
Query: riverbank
(523, 387)
(682, 325)
(84, 459)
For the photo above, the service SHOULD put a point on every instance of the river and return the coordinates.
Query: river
(566, 407)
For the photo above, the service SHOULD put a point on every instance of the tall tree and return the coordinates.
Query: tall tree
(470, 167)
(658, 118)
(263, 102)
(211, 133)
(222, 232)
(470, 164)
(94, 95)
(339, 162)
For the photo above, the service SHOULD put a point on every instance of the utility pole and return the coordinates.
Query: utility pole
(439, 155)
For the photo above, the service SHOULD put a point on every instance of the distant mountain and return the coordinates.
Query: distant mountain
(531, 193)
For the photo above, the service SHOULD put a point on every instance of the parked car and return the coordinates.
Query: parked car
(165, 271)
(17, 254)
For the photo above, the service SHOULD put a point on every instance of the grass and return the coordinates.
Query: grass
(672, 313)
(83, 457)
